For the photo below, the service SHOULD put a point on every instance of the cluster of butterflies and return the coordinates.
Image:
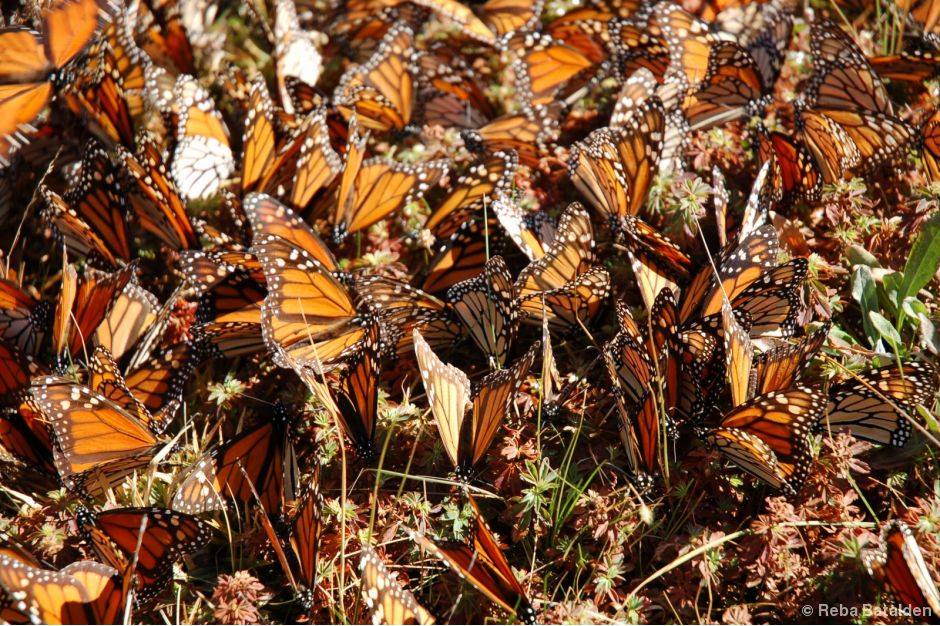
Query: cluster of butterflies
(105, 115)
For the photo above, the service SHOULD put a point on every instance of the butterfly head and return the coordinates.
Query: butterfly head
(551, 411)
(619, 225)
(62, 77)
(409, 130)
(84, 518)
(463, 473)
(304, 598)
(345, 278)
(643, 482)
(526, 614)
(281, 415)
(472, 140)
(62, 363)
(41, 315)
(365, 451)
(340, 233)
(701, 433)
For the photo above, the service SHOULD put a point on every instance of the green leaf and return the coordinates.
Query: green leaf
(928, 335)
(914, 307)
(924, 259)
(838, 334)
(857, 255)
(888, 332)
(889, 288)
(865, 293)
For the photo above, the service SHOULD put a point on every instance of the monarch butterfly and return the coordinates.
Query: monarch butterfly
(778, 367)
(498, 19)
(83, 304)
(89, 219)
(357, 394)
(761, 28)
(770, 306)
(899, 565)
(15, 369)
(448, 110)
(365, 22)
(97, 442)
(29, 595)
(531, 231)
(637, 89)
(388, 601)
(913, 66)
(24, 438)
(585, 30)
(152, 392)
(459, 14)
(739, 356)
(97, 97)
(157, 381)
(545, 65)
(135, 313)
(404, 307)
(798, 176)
(483, 564)
(250, 463)
(297, 57)
(202, 158)
(35, 65)
(569, 252)
(447, 73)
(460, 257)
(642, 368)
(638, 43)
(528, 131)
(562, 282)
(931, 134)
(718, 80)
(156, 199)
(165, 40)
(149, 540)
(613, 168)
(870, 405)
(267, 216)
(846, 119)
(449, 394)
(85, 592)
(117, 53)
(106, 590)
(381, 91)
(303, 166)
(926, 14)
(23, 319)
(309, 319)
(371, 190)
(485, 177)
(105, 378)
(573, 305)
(657, 263)
(505, 17)
(739, 265)
(259, 136)
(305, 528)
(768, 436)
(485, 306)
(229, 315)
(204, 269)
